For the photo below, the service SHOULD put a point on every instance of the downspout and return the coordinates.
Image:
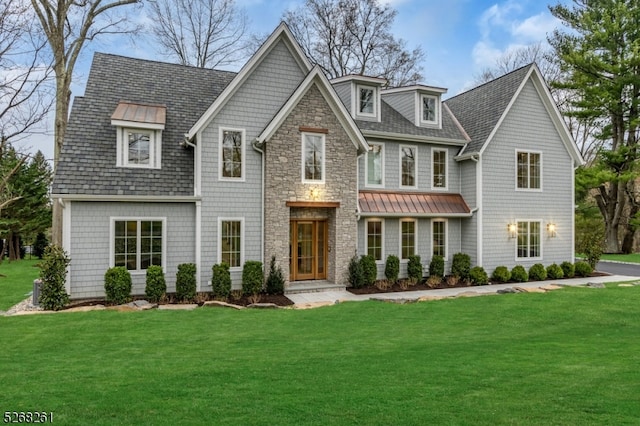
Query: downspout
(259, 148)
(358, 212)
(479, 231)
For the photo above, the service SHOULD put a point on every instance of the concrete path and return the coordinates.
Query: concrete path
(320, 298)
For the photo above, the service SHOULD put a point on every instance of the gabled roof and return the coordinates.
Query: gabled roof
(317, 77)
(481, 110)
(87, 163)
(282, 32)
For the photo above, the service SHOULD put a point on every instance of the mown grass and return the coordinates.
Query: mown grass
(631, 258)
(16, 281)
(566, 357)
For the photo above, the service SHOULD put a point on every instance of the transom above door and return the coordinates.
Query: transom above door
(308, 247)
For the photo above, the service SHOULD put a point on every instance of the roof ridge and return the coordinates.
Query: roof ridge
(155, 61)
(510, 73)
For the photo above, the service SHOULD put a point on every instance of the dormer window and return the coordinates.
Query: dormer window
(366, 102)
(430, 109)
(139, 134)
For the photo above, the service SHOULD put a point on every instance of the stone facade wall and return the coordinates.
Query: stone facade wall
(283, 182)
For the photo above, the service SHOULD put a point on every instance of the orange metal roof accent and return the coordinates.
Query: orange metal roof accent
(387, 203)
(140, 113)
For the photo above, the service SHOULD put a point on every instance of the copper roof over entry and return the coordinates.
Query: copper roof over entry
(386, 203)
(140, 113)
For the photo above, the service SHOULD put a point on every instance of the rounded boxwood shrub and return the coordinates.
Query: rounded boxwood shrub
(356, 273)
(436, 266)
(461, 265)
(519, 274)
(275, 279)
(414, 268)
(568, 269)
(186, 282)
(554, 272)
(117, 285)
(53, 275)
(156, 286)
(501, 274)
(252, 277)
(478, 276)
(369, 269)
(537, 272)
(392, 268)
(583, 269)
(221, 280)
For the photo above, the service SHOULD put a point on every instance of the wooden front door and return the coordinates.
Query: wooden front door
(308, 247)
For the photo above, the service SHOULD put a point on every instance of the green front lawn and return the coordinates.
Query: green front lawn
(16, 281)
(565, 357)
(632, 258)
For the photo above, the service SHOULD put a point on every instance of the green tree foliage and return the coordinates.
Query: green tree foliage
(599, 53)
(53, 274)
(275, 279)
(355, 273)
(369, 269)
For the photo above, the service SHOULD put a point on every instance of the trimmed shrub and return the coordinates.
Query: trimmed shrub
(186, 282)
(252, 277)
(356, 273)
(554, 272)
(501, 274)
(369, 269)
(53, 274)
(519, 274)
(156, 285)
(568, 269)
(39, 245)
(461, 265)
(117, 285)
(478, 276)
(537, 272)
(275, 279)
(583, 269)
(414, 268)
(392, 268)
(221, 280)
(436, 266)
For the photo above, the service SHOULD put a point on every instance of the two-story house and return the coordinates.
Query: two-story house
(166, 164)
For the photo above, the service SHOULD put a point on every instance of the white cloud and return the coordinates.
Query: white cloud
(485, 54)
(535, 28)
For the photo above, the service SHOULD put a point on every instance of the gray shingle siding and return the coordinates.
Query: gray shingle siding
(87, 164)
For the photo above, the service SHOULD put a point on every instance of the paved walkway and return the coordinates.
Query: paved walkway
(314, 299)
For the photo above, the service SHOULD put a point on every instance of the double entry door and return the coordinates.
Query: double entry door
(308, 246)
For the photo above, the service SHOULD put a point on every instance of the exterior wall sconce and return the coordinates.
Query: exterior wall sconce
(511, 229)
(314, 194)
(551, 229)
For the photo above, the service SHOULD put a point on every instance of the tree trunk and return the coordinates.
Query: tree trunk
(611, 238)
(14, 246)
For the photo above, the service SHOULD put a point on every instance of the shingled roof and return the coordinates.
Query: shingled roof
(87, 164)
(479, 110)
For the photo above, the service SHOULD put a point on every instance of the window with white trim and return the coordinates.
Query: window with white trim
(408, 161)
(429, 109)
(528, 170)
(407, 238)
(529, 240)
(138, 148)
(375, 234)
(375, 165)
(232, 153)
(439, 237)
(313, 157)
(439, 168)
(138, 243)
(366, 101)
(230, 245)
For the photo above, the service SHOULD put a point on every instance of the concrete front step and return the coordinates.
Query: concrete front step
(312, 287)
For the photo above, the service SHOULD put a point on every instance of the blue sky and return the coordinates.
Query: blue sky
(459, 37)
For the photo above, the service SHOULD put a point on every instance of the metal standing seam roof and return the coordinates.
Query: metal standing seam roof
(389, 203)
(140, 113)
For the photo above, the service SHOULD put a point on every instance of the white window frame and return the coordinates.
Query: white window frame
(122, 147)
(366, 237)
(220, 157)
(436, 99)
(374, 91)
(382, 165)
(415, 237)
(139, 219)
(415, 166)
(529, 221)
(446, 237)
(446, 170)
(324, 158)
(528, 188)
(242, 239)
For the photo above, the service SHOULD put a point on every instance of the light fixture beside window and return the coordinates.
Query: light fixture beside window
(551, 230)
(512, 230)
